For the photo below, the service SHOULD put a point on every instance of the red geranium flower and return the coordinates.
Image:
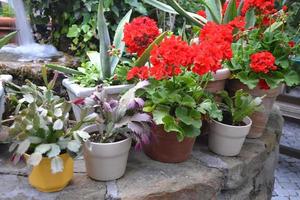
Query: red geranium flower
(202, 13)
(263, 84)
(141, 73)
(139, 34)
(292, 44)
(238, 22)
(169, 56)
(265, 7)
(262, 62)
(284, 8)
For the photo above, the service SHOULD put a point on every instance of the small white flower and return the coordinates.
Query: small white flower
(58, 112)
(58, 125)
(29, 98)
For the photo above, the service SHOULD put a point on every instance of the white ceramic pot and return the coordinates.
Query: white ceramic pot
(227, 140)
(218, 84)
(105, 161)
(76, 91)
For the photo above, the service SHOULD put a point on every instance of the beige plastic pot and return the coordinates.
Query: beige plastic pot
(227, 140)
(76, 91)
(105, 161)
(218, 84)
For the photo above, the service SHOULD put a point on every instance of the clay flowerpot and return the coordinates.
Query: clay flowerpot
(165, 147)
(76, 91)
(44, 180)
(260, 118)
(7, 25)
(105, 161)
(218, 84)
(227, 140)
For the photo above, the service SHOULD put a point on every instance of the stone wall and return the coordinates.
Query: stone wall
(205, 176)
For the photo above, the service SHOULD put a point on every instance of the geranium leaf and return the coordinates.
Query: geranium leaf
(159, 113)
(292, 78)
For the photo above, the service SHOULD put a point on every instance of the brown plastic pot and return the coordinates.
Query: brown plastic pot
(260, 118)
(165, 147)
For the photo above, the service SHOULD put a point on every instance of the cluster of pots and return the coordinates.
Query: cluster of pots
(7, 25)
(107, 161)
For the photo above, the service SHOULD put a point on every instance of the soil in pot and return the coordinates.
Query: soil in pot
(260, 118)
(165, 147)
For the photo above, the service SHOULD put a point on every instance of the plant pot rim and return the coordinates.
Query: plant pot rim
(103, 144)
(221, 74)
(77, 89)
(232, 126)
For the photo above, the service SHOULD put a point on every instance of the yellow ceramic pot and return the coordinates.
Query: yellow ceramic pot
(43, 180)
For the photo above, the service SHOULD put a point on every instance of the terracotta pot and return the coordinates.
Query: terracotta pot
(218, 84)
(7, 25)
(260, 118)
(164, 147)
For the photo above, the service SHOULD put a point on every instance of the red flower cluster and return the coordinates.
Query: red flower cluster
(213, 48)
(138, 72)
(263, 61)
(266, 7)
(139, 34)
(238, 22)
(202, 13)
(263, 84)
(169, 56)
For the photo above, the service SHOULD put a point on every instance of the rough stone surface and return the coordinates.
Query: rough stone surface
(204, 176)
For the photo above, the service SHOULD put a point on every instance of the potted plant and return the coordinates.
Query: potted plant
(226, 137)
(175, 97)
(7, 21)
(101, 67)
(119, 121)
(42, 133)
(261, 61)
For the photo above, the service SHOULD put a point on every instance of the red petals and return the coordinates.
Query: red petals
(284, 8)
(292, 44)
(139, 34)
(138, 72)
(265, 7)
(262, 62)
(262, 84)
(202, 13)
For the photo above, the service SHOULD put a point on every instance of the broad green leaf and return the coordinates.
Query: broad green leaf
(55, 151)
(231, 12)
(63, 69)
(292, 78)
(118, 43)
(23, 147)
(42, 148)
(189, 101)
(213, 9)
(190, 130)
(74, 146)
(104, 43)
(250, 80)
(143, 59)
(274, 79)
(159, 113)
(182, 12)
(5, 40)
(170, 125)
(188, 117)
(34, 159)
(74, 31)
(250, 18)
(57, 165)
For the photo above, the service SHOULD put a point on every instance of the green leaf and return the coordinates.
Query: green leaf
(189, 101)
(143, 59)
(55, 151)
(231, 12)
(248, 79)
(274, 79)
(6, 39)
(104, 43)
(63, 69)
(170, 125)
(74, 146)
(213, 10)
(250, 18)
(43, 148)
(273, 27)
(161, 6)
(74, 31)
(292, 78)
(159, 113)
(189, 117)
(118, 43)
(190, 130)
